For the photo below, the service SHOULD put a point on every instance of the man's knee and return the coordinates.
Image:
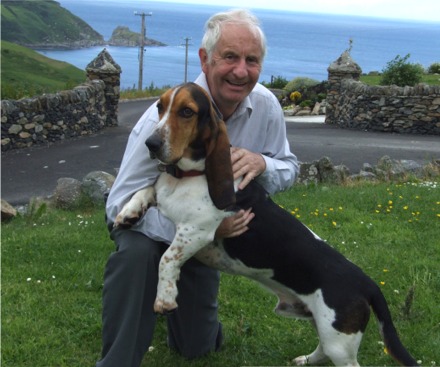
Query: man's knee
(135, 249)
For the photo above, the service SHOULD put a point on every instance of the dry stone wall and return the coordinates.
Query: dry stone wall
(352, 104)
(51, 117)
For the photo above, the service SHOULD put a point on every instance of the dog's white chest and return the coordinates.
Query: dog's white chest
(186, 200)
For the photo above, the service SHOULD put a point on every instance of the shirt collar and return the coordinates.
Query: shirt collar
(244, 106)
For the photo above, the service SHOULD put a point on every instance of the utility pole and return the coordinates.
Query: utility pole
(141, 46)
(186, 57)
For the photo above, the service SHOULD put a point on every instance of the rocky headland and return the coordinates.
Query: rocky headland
(123, 36)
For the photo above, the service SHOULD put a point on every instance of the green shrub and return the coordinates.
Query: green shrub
(277, 82)
(401, 72)
(306, 103)
(434, 68)
(299, 84)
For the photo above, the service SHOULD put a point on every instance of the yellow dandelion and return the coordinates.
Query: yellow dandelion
(331, 209)
(340, 208)
(334, 224)
(390, 202)
(382, 283)
(438, 215)
(325, 214)
(379, 205)
(405, 207)
(385, 350)
(385, 270)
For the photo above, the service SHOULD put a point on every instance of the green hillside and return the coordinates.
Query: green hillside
(25, 73)
(45, 24)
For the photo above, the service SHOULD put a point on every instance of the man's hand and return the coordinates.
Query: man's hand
(247, 165)
(235, 225)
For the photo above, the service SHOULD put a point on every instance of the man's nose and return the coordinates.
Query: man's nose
(241, 68)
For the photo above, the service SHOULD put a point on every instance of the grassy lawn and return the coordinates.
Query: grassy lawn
(52, 267)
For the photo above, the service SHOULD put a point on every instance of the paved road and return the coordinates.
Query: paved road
(34, 171)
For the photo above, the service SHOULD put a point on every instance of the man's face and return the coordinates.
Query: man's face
(235, 67)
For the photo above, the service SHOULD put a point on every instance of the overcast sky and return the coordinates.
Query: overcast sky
(400, 9)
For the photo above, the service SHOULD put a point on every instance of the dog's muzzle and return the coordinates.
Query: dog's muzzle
(154, 143)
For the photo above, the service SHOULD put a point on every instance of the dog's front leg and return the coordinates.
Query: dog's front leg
(187, 242)
(136, 207)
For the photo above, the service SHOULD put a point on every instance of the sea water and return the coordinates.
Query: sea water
(299, 44)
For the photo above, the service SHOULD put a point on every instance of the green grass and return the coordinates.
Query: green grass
(26, 73)
(431, 79)
(52, 267)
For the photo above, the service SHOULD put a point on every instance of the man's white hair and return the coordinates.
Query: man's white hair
(213, 29)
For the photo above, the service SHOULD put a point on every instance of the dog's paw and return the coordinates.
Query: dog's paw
(163, 307)
(131, 213)
(301, 361)
(127, 217)
(135, 208)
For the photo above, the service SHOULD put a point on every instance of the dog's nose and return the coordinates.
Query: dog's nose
(154, 143)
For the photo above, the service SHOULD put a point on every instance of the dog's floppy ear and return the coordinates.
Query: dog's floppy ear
(218, 164)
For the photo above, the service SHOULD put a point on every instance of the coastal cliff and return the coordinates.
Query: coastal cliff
(47, 25)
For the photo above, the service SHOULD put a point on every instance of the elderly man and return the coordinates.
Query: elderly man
(231, 56)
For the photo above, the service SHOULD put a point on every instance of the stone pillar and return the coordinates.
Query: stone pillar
(104, 68)
(343, 68)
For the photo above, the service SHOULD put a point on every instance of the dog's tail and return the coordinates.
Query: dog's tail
(389, 334)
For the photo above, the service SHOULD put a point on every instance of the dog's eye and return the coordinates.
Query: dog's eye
(159, 107)
(186, 112)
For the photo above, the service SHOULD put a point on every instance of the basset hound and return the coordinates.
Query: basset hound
(197, 191)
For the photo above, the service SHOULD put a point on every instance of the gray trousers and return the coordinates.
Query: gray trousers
(130, 282)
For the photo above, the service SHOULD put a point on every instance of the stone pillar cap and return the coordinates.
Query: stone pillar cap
(344, 64)
(104, 63)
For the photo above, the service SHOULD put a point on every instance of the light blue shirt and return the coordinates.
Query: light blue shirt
(257, 125)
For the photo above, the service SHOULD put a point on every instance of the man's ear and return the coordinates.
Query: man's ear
(203, 56)
(218, 166)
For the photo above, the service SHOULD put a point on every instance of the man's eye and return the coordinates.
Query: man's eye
(230, 58)
(186, 112)
(252, 60)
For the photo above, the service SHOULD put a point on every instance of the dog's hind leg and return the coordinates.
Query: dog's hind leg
(316, 357)
(342, 348)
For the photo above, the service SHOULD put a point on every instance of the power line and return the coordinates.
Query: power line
(186, 44)
(141, 46)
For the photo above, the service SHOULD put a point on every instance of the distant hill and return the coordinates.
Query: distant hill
(122, 36)
(25, 73)
(45, 24)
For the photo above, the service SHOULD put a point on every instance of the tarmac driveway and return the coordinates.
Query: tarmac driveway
(34, 171)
